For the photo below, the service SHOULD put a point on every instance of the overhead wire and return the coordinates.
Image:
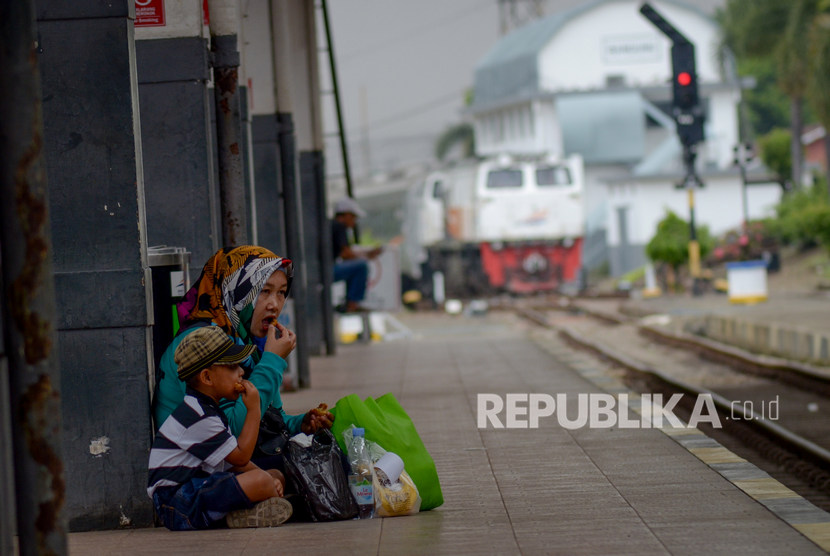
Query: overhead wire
(419, 109)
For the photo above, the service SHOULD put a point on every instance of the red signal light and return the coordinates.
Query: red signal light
(684, 78)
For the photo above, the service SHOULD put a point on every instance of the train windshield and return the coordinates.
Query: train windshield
(553, 175)
(504, 178)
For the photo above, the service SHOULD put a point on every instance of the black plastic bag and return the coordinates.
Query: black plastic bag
(317, 474)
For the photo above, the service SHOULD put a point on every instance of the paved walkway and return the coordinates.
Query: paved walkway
(518, 491)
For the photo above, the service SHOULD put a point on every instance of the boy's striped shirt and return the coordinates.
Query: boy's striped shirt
(193, 442)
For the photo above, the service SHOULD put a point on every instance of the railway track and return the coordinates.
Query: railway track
(771, 410)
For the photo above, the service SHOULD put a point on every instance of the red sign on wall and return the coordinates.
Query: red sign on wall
(149, 13)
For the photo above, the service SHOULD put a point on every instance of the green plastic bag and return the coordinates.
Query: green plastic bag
(387, 423)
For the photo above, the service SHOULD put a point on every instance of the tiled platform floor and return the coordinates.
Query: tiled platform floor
(513, 491)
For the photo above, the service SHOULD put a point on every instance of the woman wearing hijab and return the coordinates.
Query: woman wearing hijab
(241, 290)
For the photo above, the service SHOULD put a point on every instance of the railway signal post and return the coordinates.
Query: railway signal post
(688, 117)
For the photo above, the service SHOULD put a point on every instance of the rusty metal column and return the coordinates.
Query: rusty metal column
(224, 27)
(29, 293)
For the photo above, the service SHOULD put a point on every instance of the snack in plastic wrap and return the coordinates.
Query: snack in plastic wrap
(398, 498)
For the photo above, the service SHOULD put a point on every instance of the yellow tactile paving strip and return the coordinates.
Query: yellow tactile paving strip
(819, 533)
(765, 489)
(711, 456)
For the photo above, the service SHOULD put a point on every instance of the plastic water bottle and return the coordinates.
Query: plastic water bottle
(360, 480)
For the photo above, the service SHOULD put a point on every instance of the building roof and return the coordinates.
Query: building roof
(605, 127)
(510, 68)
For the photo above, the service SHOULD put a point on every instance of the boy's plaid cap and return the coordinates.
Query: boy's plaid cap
(205, 346)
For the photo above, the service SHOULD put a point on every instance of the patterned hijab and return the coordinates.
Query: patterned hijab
(228, 287)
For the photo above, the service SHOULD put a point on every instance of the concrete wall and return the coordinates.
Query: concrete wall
(791, 342)
(96, 193)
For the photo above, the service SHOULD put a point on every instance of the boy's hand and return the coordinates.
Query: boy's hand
(280, 340)
(250, 397)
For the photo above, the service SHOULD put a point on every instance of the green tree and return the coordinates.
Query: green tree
(766, 107)
(460, 134)
(775, 153)
(819, 86)
(780, 31)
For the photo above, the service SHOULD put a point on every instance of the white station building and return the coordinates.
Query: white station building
(595, 80)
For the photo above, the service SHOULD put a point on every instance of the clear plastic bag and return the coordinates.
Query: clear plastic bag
(398, 498)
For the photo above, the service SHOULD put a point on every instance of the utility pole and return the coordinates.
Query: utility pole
(688, 118)
(743, 155)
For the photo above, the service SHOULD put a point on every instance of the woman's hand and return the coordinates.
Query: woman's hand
(316, 419)
(280, 340)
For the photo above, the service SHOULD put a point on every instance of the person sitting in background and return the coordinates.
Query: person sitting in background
(200, 474)
(350, 264)
(242, 291)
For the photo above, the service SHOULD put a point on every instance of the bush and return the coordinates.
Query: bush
(747, 244)
(817, 220)
(800, 217)
(670, 244)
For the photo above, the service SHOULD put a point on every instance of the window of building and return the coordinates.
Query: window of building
(531, 122)
(615, 81)
(521, 117)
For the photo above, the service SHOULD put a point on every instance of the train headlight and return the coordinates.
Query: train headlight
(535, 263)
(567, 243)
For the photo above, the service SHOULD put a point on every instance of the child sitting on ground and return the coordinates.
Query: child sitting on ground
(200, 474)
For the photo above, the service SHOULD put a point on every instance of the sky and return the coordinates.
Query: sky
(403, 68)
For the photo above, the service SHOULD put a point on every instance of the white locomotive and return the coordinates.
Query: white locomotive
(501, 224)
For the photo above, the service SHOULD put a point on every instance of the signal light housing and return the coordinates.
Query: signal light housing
(686, 108)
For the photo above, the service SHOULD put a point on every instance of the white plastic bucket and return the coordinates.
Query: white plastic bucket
(747, 281)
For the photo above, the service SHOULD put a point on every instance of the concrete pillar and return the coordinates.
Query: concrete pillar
(258, 72)
(177, 136)
(311, 147)
(283, 26)
(96, 194)
(298, 105)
